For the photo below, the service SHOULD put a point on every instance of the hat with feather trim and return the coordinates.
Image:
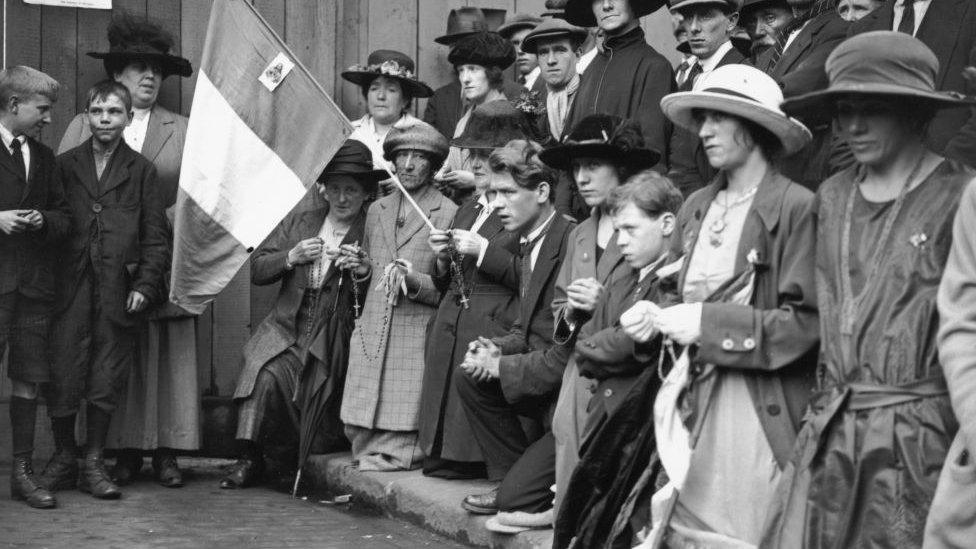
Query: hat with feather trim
(132, 39)
(488, 49)
(604, 136)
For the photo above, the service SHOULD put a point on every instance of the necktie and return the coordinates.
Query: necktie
(693, 73)
(907, 23)
(680, 73)
(525, 252)
(18, 155)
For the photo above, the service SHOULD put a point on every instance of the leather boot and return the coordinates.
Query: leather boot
(24, 487)
(61, 471)
(127, 467)
(482, 504)
(165, 468)
(246, 472)
(95, 480)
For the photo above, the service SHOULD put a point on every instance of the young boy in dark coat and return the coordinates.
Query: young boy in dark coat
(112, 270)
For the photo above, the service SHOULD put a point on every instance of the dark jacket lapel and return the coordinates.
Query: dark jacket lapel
(7, 161)
(939, 31)
(428, 203)
(799, 46)
(83, 166)
(547, 261)
(160, 129)
(118, 168)
(35, 165)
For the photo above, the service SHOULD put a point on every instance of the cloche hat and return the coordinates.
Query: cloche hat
(391, 64)
(131, 39)
(603, 136)
(580, 12)
(743, 91)
(484, 48)
(353, 158)
(418, 136)
(492, 125)
(877, 63)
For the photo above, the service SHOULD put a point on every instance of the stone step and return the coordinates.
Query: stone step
(432, 503)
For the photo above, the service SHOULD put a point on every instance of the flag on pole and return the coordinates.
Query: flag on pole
(261, 129)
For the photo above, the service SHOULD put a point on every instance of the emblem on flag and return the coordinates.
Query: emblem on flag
(276, 71)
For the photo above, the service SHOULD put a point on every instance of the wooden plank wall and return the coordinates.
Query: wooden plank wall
(326, 35)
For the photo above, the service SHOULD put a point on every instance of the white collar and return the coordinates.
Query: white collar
(708, 65)
(8, 137)
(650, 267)
(140, 114)
(483, 200)
(531, 77)
(538, 230)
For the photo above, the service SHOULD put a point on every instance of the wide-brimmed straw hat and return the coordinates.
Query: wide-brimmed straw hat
(466, 21)
(580, 12)
(550, 29)
(484, 48)
(354, 159)
(605, 136)
(391, 64)
(418, 136)
(518, 22)
(492, 125)
(883, 63)
(743, 91)
(132, 39)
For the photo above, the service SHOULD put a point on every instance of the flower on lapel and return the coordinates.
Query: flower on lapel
(918, 239)
(753, 257)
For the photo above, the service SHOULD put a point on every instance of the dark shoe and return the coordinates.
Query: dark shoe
(242, 474)
(127, 467)
(95, 480)
(24, 487)
(165, 470)
(482, 504)
(61, 471)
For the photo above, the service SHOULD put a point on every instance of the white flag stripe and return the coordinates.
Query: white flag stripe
(224, 158)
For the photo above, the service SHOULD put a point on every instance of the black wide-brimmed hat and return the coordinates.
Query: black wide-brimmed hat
(354, 159)
(418, 136)
(391, 64)
(550, 29)
(488, 49)
(883, 63)
(131, 39)
(492, 125)
(580, 12)
(463, 22)
(605, 136)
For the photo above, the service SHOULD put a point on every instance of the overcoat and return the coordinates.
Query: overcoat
(277, 332)
(386, 360)
(118, 226)
(492, 292)
(29, 260)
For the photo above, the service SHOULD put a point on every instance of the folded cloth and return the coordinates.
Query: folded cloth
(519, 521)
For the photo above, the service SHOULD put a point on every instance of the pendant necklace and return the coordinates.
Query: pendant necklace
(716, 228)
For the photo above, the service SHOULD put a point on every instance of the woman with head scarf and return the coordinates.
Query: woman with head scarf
(879, 428)
(389, 84)
(480, 61)
(747, 317)
(160, 408)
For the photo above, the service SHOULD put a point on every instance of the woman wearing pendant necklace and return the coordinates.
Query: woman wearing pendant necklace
(748, 314)
(880, 426)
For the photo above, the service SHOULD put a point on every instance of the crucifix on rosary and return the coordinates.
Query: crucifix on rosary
(457, 275)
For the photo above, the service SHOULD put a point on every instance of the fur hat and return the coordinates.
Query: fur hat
(131, 39)
(391, 64)
(580, 12)
(492, 125)
(353, 158)
(419, 136)
(606, 136)
(487, 49)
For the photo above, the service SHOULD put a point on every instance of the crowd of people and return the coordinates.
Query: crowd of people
(724, 304)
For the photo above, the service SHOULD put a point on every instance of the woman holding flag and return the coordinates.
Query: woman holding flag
(748, 317)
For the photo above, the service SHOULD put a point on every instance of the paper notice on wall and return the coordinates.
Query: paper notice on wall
(91, 4)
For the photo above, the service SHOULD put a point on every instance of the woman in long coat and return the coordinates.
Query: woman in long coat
(878, 432)
(748, 313)
(305, 337)
(160, 409)
(381, 403)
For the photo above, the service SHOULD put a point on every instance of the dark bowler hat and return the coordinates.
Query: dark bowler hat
(463, 22)
(492, 125)
(131, 39)
(518, 22)
(580, 12)
(605, 136)
(419, 136)
(391, 64)
(884, 63)
(487, 49)
(354, 159)
(553, 28)
(731, 5)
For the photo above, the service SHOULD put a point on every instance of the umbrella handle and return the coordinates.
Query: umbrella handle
(294, 488)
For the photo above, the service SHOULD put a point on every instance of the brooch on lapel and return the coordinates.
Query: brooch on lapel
(918, 239)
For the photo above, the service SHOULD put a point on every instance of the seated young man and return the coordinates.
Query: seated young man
(111, 272)
(519, 374)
